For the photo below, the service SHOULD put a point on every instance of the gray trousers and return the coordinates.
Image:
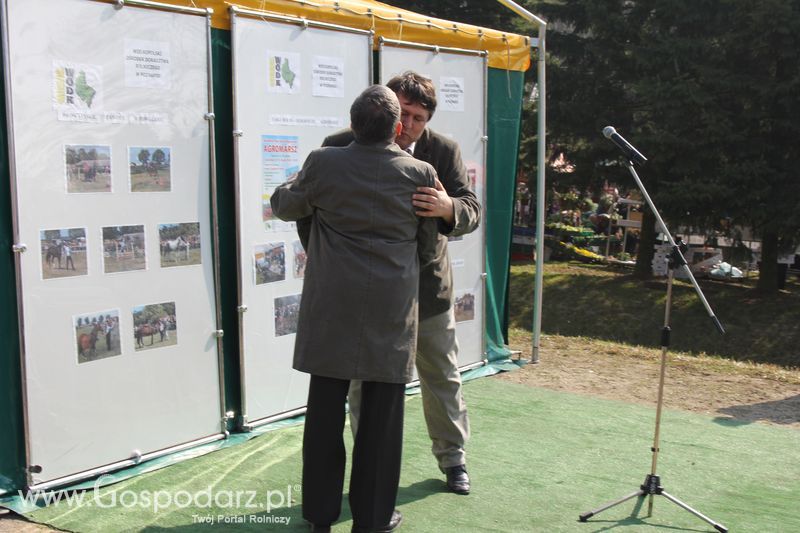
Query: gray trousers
(440, 382)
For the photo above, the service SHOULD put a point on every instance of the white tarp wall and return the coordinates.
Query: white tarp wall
(460, 80)
(110, 159)
(293, 86)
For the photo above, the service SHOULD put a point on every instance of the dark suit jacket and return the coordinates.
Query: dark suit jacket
(358, 311)
(436, 280)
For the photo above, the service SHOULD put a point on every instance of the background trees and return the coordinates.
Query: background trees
(707, 89)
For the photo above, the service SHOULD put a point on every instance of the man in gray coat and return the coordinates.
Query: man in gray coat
(456, 209)
(358, 312)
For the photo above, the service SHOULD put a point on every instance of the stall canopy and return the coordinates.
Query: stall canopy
(507, 51)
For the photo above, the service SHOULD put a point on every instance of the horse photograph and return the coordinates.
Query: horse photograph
(63, 252)
(87, 168)
(150, 168)
(155, 326)
(124, 248)
(97, 335)
(464, 306)
(180, 244)
(270, 262)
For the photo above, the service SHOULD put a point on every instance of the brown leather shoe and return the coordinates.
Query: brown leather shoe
(394, 523)
(457, 479)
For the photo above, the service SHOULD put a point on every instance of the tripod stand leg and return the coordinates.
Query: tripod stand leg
(698, 514)
(587, 515)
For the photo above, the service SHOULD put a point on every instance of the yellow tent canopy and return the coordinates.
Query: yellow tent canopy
(507, 51)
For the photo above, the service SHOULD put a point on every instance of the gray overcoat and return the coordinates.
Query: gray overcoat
(358, 311)
(436, 279)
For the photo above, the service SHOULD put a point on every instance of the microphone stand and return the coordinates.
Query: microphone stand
(652, 483)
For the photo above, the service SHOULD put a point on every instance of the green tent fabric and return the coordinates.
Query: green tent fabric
(12, 444)
(505, 105)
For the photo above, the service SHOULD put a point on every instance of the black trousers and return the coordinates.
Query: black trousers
(375, 473)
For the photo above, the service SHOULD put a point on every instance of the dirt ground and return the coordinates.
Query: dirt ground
(711, 386)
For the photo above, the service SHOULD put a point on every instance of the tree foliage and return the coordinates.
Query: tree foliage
(707, 89)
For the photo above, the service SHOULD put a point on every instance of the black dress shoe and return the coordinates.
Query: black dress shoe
(393, 524)
(316, 528)
(457, 479)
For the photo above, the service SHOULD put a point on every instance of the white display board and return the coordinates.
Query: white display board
(460, 80)
(110, 153)
(293, 86)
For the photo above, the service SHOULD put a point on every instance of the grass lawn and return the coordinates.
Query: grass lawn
(606, 303)
(178, 258)
(147, 183)
(78, 259)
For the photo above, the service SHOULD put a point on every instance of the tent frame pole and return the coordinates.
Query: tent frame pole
(540, 166)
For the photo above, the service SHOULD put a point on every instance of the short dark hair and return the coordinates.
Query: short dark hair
(415, 87)
(374, 115)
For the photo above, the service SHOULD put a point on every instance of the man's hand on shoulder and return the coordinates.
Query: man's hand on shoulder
(434, 202)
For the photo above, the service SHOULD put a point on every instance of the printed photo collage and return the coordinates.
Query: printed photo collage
(269, 266)
(65, 252)
(88, 168)
(99, 334)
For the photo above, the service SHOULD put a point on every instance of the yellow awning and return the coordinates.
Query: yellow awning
(507, 51)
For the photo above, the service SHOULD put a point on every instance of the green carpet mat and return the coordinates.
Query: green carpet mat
(537, 460)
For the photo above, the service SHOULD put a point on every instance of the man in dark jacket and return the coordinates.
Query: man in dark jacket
(457, 211)
(358, 312)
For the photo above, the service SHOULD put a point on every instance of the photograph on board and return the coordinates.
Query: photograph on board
(63, 252)
(299, 260)
(97, 335)
(270, 262)
(150, 168)
(87, 168)
(180, 244)
(123, 248)
(287, 309)
(464, 306)
(155, 326)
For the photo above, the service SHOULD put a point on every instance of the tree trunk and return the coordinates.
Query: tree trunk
(768, 271)
(647, 241)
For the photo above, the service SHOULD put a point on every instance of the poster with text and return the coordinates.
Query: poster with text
(147, 64)
(451, 93)
(280, 160)
(328, 77)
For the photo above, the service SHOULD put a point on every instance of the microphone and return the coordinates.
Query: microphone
(627, 148)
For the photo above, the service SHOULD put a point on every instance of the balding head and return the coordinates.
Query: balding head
(374, 115)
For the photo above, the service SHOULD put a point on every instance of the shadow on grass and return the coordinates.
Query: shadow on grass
(420, 490)
(767, 411)
(633, 520)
